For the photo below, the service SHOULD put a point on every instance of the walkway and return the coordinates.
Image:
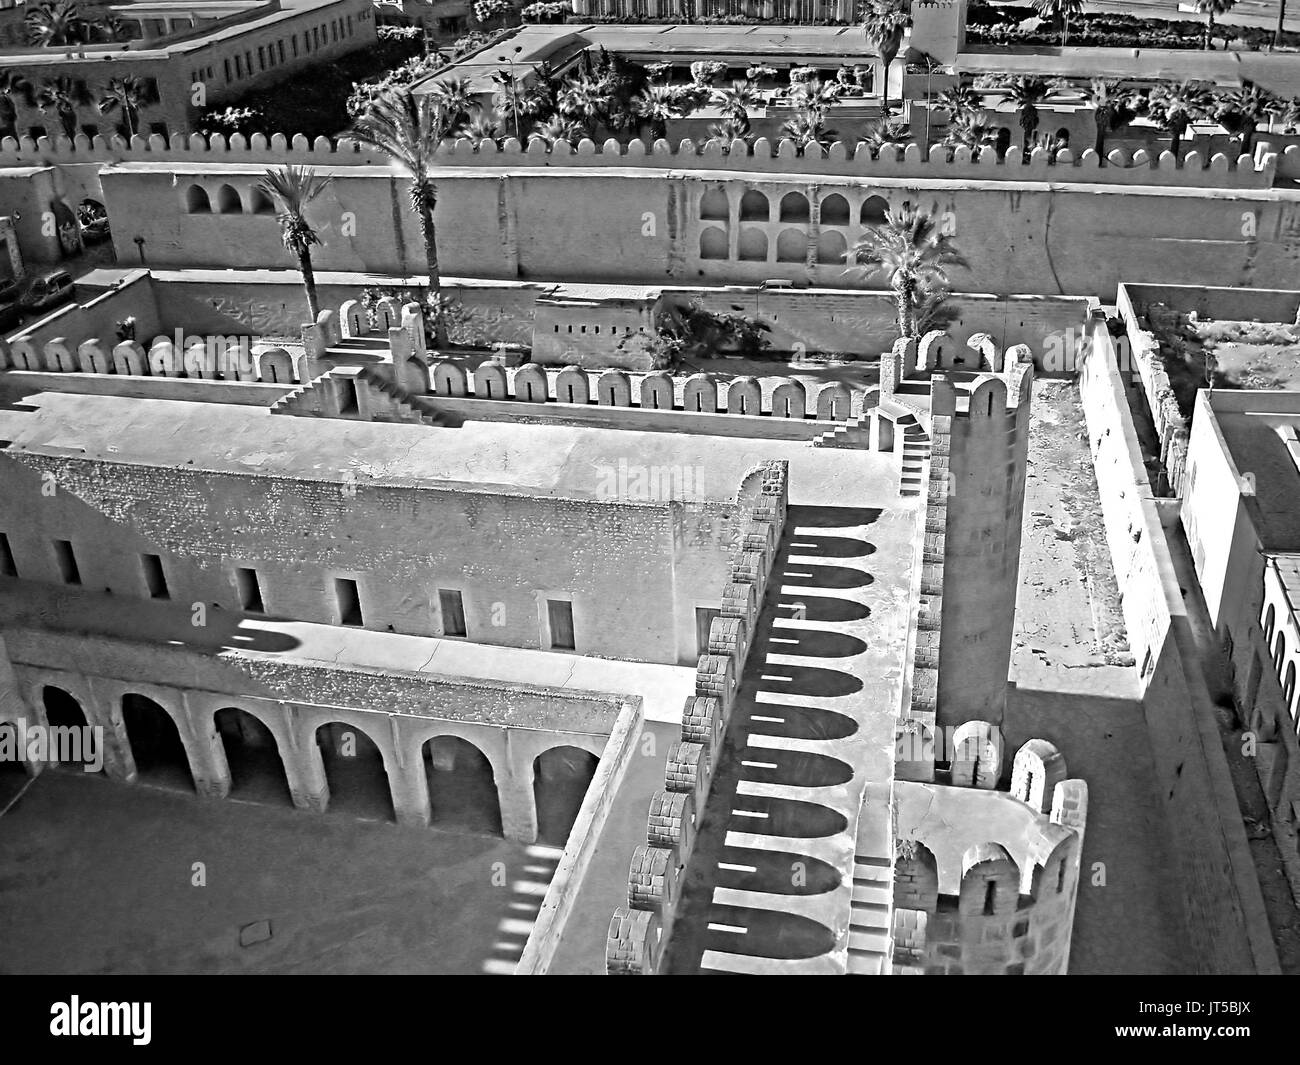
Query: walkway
(773, 882)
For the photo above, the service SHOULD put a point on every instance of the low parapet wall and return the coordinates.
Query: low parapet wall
(763, 156)
(639, 932)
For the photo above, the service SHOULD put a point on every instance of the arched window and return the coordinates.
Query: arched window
(1279, 653)
(196, 200)
(714, 205)
(713, 243)
(262, 203)
(228, 201)
(791, 246)
(1288, 688)
(874, 210)
(794, 207)
(754, 207)
(834, 210)
(1270, 619)
(752, 247)
(831, 249)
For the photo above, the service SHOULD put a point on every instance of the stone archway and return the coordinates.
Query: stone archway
(156, 746)
(462, 786)
(355, 772)
(560, 779)
(257, 771)
(63, 711)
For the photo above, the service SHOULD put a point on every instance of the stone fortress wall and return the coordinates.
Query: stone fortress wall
(639, 932)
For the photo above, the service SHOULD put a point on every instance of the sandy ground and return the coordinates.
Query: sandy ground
(1075, 686)
(98, 877)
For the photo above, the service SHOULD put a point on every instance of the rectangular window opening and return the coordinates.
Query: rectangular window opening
(250, 591)
(67, 561)
(559, 616)
(452, 607)
(155, 578)
(7, 566)
(349, 600)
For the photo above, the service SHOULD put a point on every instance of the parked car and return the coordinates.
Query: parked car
(48, 290)
(94, 226)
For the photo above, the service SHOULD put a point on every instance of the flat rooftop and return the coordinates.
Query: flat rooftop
(1249, 423)
(557, 44)
(558, 461)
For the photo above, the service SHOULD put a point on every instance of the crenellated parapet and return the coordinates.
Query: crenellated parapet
(639, 932)
(986, 881)
(783, 156)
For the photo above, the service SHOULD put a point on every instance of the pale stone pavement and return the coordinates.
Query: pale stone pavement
(1074, 685)
(774, 877)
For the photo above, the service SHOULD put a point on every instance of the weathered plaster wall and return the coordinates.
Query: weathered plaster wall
(633, 592)
(1023, 237)
(1224, 909)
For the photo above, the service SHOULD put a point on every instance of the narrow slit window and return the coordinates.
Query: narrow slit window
(155, 579)
(452, 606)
(7, 566)
(67, 560)
(250, 590)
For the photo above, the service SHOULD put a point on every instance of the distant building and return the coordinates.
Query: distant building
(1241, 513)
(190, 56)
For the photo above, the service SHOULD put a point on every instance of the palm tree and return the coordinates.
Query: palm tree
(1027, 94)
(656, 105)
(483, 127)
(1060, 11)
(969, 131)
(453, 95)
(408, 129)
(129, 94)
(57, 22)
(12, 84)
(64, 95)
(1111, 99)
(815, 95)
(1210, 9)
(292, 189)
(730, 129)
(735, 102)
(885, 134)
(958, 100)
(557, 128)
(908, 250)
(1175, 107)
(586, 102)
(1240, 112)
(1288, 114)
(884, 22)
(807, 129)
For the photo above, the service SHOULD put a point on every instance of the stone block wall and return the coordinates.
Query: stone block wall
(965, 905)
(639, 932)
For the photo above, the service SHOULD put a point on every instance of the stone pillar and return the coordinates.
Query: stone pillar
(303, 766)
(105, 712)
(406, 781)
(207, 753)
(515, 793)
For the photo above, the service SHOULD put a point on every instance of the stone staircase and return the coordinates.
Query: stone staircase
(916, 449)
(872, 900)
(386, 401)
(854, 433)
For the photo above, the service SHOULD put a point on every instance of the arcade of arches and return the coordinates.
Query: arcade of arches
(524, 784)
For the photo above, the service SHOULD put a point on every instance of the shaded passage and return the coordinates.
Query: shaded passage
(560, 779)
(156, 746)
(462, 786)
(355, 772)
(256, 769)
